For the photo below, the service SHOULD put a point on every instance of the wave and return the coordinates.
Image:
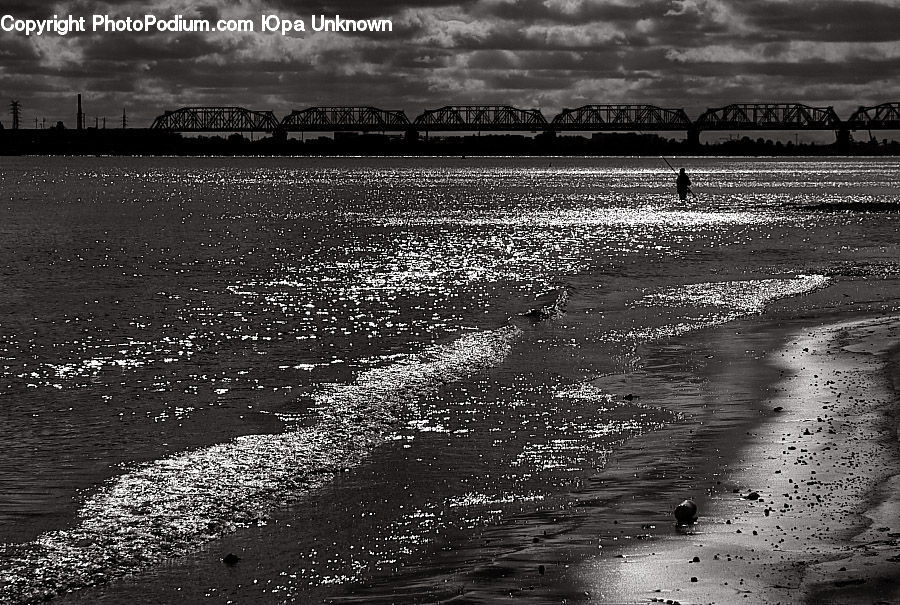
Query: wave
(167, 507)
(749, 296)
(728, 301)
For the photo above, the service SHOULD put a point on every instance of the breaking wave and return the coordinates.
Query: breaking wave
(719, 302)
(167, 507)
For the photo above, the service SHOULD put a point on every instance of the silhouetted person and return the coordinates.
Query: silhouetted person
(683, 184)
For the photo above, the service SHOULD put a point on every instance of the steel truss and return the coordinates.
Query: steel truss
(216, 119)
(481, 117)
(345, 118)
(618, 117)
(768, 116)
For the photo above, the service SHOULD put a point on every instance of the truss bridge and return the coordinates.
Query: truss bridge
(216, 119)
(879, 117)
(768, 116)
(621, 117)
(481, 117)
(599, 118)
(345, 118)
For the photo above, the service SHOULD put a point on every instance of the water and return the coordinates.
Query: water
(322, 363)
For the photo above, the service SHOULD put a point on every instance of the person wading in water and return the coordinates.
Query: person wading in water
(683, 184)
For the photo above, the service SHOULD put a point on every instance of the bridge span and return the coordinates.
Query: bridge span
(481, 117)
(216, 119)
(619, 117)
(879, 117)
(345, 118)
(768, 116)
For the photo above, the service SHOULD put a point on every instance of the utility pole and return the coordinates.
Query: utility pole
(124, 119)
(14, 108)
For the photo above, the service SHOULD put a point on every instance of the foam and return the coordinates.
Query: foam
(167, 507)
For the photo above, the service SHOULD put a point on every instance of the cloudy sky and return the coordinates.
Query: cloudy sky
(531, 53)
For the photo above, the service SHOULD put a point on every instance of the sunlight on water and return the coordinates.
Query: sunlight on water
(723, 302)
(186, 346)
(739, 297)
(588, 217)
(164, 508)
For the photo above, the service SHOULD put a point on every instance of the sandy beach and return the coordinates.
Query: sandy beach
(809, 512)
(807, 509)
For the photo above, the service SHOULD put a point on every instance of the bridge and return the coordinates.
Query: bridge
(345, 118)
(612, 118)
(505, 118)
(879, 117)
(481, 117)
(768, 116)
(216, 119)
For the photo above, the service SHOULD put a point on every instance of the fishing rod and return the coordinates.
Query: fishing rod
(663, 158)
(668, 164)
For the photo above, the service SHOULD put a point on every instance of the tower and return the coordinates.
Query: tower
(14, 108)
(80, 118)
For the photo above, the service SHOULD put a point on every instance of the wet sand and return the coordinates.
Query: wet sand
(793, 406)
(810, 509)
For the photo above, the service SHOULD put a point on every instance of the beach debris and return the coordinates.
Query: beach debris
(779, 409)
(538, 314)
(752, 496)
(541, 569)
(547, 312)
(686, 512)
(231, 559)
(694, 579)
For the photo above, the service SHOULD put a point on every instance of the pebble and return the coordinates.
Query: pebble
(686, 512)
(231, 559)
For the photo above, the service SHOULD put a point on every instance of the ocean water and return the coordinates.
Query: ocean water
(328, 366)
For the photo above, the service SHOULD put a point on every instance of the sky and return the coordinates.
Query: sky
(546, 54)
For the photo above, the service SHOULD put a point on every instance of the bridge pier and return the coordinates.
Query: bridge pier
(693, 137)
(843, 140)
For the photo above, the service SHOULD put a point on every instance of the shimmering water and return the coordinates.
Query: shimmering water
(323, 362)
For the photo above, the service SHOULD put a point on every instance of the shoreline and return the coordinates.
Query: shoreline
(624, 512)
(788, 522)
(586, 551)
(629, 502)
(574, 552)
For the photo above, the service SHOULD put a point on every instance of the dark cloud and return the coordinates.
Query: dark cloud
(125, 51)
(362, 9)
(552, 53)
(858, 21)
(574, 12)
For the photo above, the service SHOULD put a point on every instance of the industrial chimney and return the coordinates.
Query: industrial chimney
(80, 120)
